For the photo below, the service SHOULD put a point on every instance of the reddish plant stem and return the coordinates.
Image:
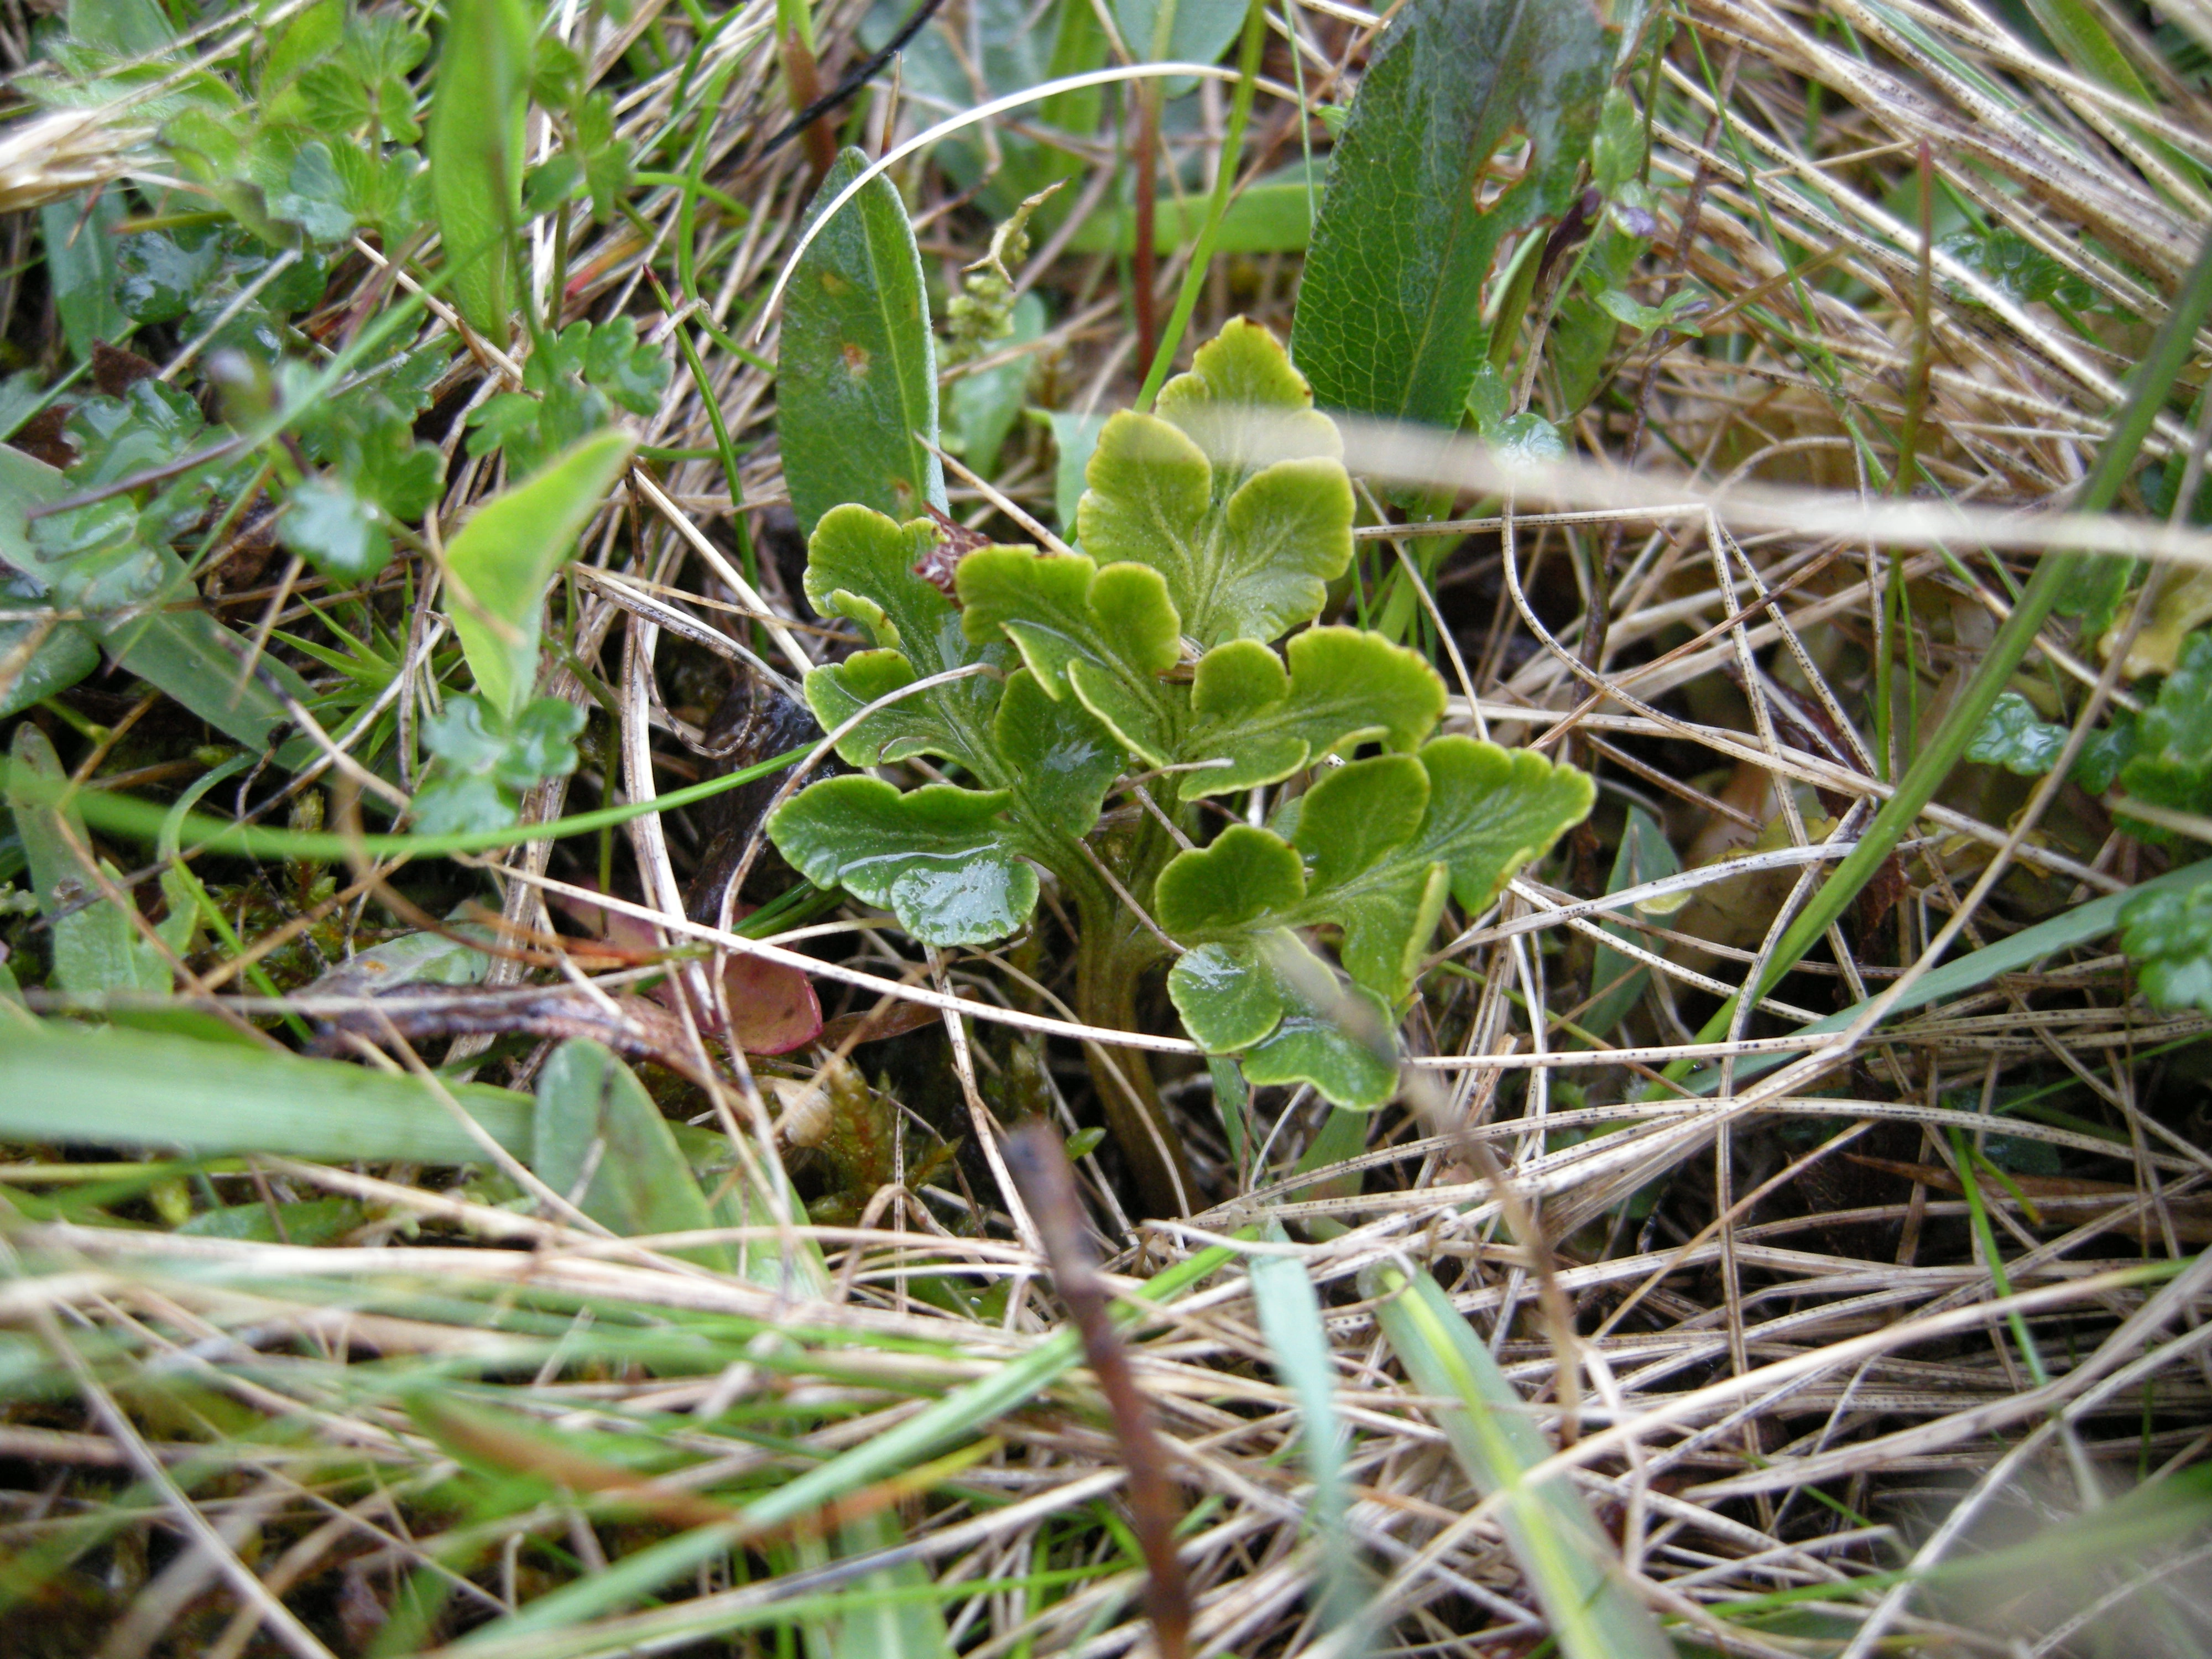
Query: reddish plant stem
(1143, 256)
(804, 78)
(1039, 1165)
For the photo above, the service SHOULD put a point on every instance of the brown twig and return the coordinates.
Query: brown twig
(1040, 1169)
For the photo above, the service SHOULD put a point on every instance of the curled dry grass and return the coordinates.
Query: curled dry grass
(1787, 1368)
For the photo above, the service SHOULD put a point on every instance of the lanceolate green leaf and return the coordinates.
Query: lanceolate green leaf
(856, 382)
(1389, 318)
(506, 555)
(80, 245)
(1591, 1608)
(600, 1142)
(475, 145)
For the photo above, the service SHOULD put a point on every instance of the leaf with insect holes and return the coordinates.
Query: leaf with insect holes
(1372, 849)
(2168, 936)
(856, 380)
(1389, 318)
(860, 565)
(935, 857)
(1342, 688)
(1247, 550)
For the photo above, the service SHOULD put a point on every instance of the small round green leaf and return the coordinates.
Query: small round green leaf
(1226, 997)
(1357, 815)
(2169, 938)
(1244, 874)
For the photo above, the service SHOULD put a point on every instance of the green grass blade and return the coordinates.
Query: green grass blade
(1592, 1609)
(2078, 926)
(1290, 1319)
(121, 815)
(65, 1083)
(958, 1414)
(81, 268)
(890, 1613)
(1232, 146)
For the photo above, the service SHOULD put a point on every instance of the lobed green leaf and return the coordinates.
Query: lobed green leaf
(935, 857)
(1105, 634)
(1343, 687)
(1374, 849)
(1247, 549)
(1270, 1000)
(2168, 936)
